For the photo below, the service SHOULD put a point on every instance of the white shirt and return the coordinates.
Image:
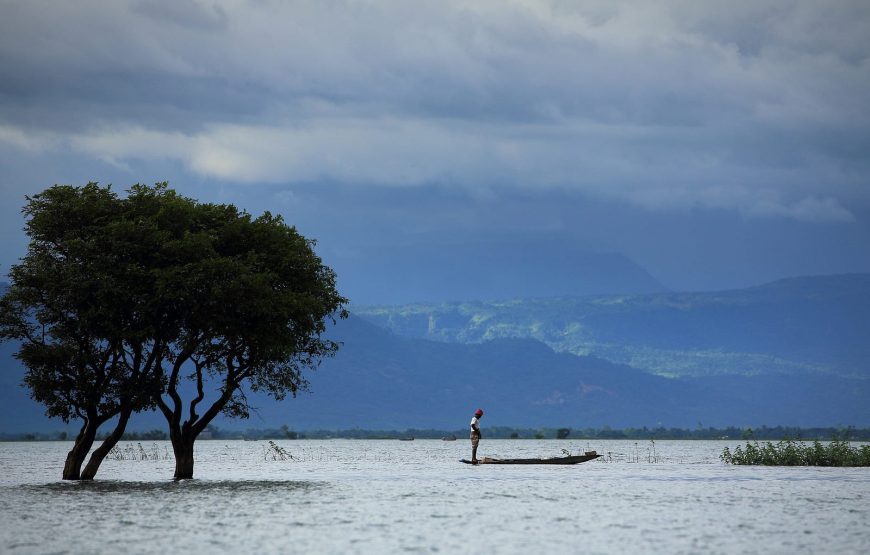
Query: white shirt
(474, 422)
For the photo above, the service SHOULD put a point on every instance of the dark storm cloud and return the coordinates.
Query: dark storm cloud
(758, 107)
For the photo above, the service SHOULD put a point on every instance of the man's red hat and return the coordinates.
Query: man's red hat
(478, 412)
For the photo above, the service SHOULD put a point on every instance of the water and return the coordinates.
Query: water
(346, 496)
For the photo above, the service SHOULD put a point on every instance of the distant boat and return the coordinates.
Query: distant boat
(406, 439)
(451, 437)
(571, 459)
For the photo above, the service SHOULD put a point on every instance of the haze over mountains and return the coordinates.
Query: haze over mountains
(485, 271)
(791, 352)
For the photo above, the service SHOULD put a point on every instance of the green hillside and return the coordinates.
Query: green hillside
(808, 325)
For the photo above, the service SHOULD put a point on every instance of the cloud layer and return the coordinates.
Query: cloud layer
(757, 107)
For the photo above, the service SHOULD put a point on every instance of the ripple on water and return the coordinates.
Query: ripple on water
(168, 489)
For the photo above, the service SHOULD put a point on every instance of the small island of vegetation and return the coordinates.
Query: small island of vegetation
(788, 452)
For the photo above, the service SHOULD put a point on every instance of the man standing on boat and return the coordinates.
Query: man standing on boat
(475, 434)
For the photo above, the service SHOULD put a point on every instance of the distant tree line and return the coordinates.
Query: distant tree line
(503, 432)
(506, 432)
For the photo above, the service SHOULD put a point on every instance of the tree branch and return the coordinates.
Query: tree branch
(172, 386)
(215, 408)
(200, 394)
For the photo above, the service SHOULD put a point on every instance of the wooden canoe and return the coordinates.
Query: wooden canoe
(572, 459)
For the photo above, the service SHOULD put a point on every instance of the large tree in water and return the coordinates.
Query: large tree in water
(255, 300)
(120, 301)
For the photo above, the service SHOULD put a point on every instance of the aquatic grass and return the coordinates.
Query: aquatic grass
(274, 452)
(788, 452)
(634, 455)
(652, 456)
(138, 453)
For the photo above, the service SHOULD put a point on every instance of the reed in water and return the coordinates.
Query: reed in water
(788, 452)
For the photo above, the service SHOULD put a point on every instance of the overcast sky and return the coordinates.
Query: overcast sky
(717, 144)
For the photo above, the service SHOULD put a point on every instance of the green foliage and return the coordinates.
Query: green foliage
(80, 303)
(788, 452)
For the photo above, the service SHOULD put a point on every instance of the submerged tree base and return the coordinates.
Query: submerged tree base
(789, 452)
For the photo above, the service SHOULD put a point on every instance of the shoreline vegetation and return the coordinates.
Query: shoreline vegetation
(784, 434)
(789, 452)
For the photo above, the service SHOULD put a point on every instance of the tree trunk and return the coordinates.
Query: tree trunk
(100, 452)
(76, 457)
(183, 435)
(182, 446)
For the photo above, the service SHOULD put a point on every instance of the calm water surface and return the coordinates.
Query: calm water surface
(345, 496)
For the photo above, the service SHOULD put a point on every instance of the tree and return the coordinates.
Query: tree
(80, 304)
(255, 301)
(119, 300)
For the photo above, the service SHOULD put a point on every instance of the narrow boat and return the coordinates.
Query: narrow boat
(406, 439)
(449, 438)
(571, 459)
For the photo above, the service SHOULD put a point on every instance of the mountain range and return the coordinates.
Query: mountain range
(807, 325)
(425, 366)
